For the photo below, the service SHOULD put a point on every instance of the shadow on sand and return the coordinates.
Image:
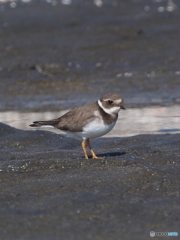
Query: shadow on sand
(109, 154)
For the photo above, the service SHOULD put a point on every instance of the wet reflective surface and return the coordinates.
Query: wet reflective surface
(78, 52)
(134, 121)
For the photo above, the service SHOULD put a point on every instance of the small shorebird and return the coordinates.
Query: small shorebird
(91, 120)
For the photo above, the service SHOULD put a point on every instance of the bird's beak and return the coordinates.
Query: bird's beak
(122, 107)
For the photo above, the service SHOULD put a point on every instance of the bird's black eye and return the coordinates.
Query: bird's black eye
(110, 102)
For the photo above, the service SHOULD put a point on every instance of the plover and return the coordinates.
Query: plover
(91, 120)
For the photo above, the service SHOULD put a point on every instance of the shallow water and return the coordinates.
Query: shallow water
(149, 120)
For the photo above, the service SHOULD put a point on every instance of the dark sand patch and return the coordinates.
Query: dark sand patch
(49, 191)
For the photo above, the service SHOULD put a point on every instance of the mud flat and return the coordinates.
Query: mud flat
(49, 191)
(57, 57)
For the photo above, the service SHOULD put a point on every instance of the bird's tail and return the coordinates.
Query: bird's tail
(50, 123)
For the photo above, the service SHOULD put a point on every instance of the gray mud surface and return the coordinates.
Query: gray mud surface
(49, 191)
(57, 57)
(61, 56)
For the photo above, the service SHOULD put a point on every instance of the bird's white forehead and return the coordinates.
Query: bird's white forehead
(118, 100)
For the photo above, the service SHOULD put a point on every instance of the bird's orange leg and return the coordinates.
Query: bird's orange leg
(92, 152)
(84, 144)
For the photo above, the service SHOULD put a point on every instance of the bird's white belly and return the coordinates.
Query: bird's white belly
(94, 129)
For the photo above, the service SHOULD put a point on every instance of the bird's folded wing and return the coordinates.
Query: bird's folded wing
(77, 118)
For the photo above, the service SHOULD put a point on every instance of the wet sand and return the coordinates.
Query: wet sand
(56, 57)
(49, 191)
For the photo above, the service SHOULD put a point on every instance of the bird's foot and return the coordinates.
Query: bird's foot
(94, 155)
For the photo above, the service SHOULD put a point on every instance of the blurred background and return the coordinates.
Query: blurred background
(57, 54)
